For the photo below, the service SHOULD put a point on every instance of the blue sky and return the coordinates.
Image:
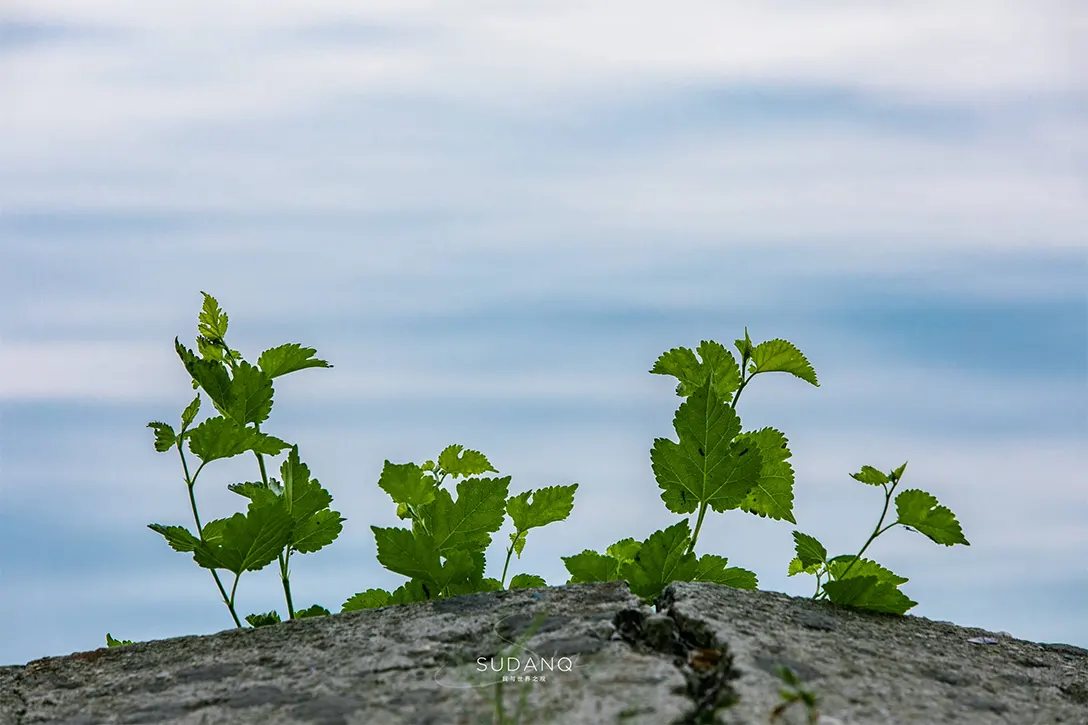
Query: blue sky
(492, 221)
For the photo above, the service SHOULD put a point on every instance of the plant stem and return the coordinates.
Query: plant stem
(509, 552)
(877, 531)
(698, 526)
(287, 583)
(190, 483)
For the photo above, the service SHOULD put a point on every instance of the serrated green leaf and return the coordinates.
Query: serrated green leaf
(517, 540)
(189, 414)
(316, 531)
(250, 395)
(409, 553)
(406, 484)
(920, 511)
(809, 550)
(782, 356)
(472, 463)
(288, 358)
(111, 642)
(246, 542)
(408, 592)
(624, 549)
(268, 445)
(772, 496)
(179, 537)
(254, 491)
(468, 522)
(314, 610)
(165, 438)
(370, 599)
(705, 467)
(263, 620)
(662, 558)
(844, 566)
(212, 321)
(210, 350)
(868, 592)
(550, 504)
(219, 437)
(795, 568)
(712, 568)
(211, 375)
(213, 531)
(590, 566)
(460, 568)
(527, 581)
(898, 473)
(291, 469)
(718, 364)
(870, 475)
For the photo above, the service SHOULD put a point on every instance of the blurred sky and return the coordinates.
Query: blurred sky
(492, 218)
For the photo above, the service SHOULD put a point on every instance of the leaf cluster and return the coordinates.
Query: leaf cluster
(712, 466)
(715, 466)
(443, 553)
(284, 516)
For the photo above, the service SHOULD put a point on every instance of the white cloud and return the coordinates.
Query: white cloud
(176, 65)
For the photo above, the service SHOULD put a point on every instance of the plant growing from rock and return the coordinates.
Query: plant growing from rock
(714, 466)
(792, 693)
(863, 583)
(284, 516)
(443, 553)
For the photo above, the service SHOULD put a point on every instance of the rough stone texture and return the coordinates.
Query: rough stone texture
(704, 646)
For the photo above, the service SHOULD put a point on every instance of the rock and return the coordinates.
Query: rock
(597, 656)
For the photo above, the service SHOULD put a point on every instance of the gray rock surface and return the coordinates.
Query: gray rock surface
(598, 657)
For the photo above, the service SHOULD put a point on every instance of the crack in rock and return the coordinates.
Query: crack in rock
(704, 661)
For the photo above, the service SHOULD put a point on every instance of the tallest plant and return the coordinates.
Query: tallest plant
(716, 466)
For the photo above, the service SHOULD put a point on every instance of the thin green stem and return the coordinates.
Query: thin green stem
(743, 382)
(698, 526)
(287, 582)
(876, 531)
(234, 591)
(190, 484)
(509, 553)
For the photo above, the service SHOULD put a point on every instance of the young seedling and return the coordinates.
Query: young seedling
(443, 553)
(863, 583)
(794, 693)
(285, 516)
(714, 466)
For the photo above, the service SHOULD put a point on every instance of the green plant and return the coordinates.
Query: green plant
(793, 692)
(714, 466)
(869, 585)
(443, 553)
(291, 515)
